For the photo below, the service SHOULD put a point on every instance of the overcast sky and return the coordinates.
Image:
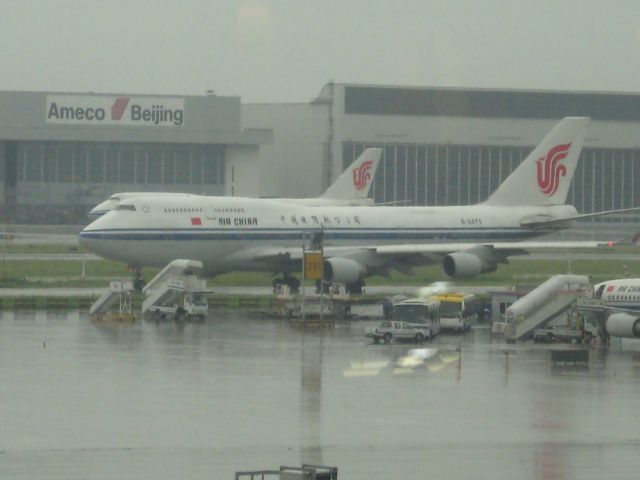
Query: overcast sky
(286, 50)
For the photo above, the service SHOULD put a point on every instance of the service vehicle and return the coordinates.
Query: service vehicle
(418, 311)
(184, 305)
(393, 330)
(458, 311)
(413, 319)
(566, 334)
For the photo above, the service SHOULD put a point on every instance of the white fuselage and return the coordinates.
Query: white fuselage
(623, 293)
(110, 203)
(228, 233)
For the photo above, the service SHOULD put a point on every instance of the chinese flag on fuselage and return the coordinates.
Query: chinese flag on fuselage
(196, 221)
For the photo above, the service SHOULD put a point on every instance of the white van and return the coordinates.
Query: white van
(392, 330)
(414, 319)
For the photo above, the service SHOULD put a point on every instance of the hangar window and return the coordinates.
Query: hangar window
(586, 166)
(196, 167)
(453, 178)
(96, 165)
(210, 167)
(111, 165)
(617, 186)
(154, 166)
(80, 165)
(126, 166)
(31, 163)
(607, 170)
(484, 172)
(168, 168)
(597, 162)
(401, 172)
(182, 166)
(66, 155)
(141, 167)
(411, 182)
(475, 180)
(432, 176)
(49, 162)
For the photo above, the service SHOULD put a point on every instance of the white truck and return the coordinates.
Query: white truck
(178, 291)
(414, 319)
(565, 334)
(390, 330)
(185, 305)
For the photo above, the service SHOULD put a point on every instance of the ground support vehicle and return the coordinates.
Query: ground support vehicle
(562, 335)
(184, 305)
(458, 311)
(390, 330)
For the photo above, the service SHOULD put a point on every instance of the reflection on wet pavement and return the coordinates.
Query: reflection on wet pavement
(80, 399)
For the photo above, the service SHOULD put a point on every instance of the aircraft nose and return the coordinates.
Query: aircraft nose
(84, 238)
(97, 238)
(89, 237)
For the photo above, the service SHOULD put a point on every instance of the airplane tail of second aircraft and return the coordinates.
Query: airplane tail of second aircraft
(544, 177)
(356, 180)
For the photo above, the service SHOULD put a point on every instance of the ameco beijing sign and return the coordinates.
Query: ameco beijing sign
(115, 110)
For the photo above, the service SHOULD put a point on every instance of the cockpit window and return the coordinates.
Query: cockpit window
(114, 197)
(125, 207)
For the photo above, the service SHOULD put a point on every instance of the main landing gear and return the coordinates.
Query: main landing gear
(292, 282)
(138, 281)
(355, 288)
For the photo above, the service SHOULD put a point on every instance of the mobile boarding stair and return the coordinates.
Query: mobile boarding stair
(545, 303)
(167, 291)
(118, 293)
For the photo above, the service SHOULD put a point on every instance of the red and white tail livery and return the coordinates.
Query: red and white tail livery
(354, 183)
(544, 177)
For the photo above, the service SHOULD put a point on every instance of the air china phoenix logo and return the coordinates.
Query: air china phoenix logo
(118, 107)
(550, 170)
(362, 175)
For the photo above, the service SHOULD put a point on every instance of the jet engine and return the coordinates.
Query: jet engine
(466, 265)
(343, 270)
(623, 325)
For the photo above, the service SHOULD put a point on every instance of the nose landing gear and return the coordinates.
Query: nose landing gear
(138, 281)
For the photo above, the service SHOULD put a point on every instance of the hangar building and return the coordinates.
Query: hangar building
(446, 146)
(61, 153)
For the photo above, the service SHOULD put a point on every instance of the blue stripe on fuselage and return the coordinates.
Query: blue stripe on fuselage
(295, 234)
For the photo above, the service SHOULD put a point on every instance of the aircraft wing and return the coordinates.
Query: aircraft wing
(458, 259)
(520, 248)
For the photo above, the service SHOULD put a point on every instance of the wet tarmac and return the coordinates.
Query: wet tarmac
(83, 400)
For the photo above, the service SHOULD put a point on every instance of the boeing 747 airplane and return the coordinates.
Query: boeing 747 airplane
(231, 233)
(350, 188)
